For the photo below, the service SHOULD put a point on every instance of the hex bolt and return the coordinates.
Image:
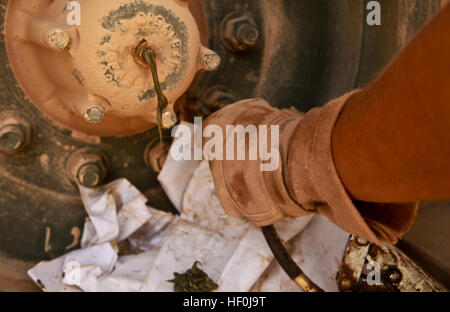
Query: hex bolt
(169, 120)
(239, 32)
(248, 35)
(210, 60)
(93, 114)
(58, 40)
(90, 175)
(88, 167)
(15, 132)
(11, 138)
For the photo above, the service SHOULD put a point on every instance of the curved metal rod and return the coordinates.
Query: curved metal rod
(150, 58)
(286, 262)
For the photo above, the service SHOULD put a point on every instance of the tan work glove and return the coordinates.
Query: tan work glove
(306, 180)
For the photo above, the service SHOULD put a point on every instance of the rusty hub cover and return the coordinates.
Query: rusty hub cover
(71, 72)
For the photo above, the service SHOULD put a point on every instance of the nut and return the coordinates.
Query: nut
(93, 114)
(11, 138)
(15, 132)
(169, 120)
(88, 167)
(248, 34)
(239, 32)
(211, 61)
(58, 40)
(90, 175)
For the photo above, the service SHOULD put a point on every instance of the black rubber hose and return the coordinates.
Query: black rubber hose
(286, 262)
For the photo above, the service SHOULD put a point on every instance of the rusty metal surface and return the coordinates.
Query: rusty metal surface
(396, 271)
(307, 52)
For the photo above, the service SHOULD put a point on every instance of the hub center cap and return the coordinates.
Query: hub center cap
(96, 66)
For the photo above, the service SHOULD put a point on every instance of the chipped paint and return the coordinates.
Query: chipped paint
(76, 233)
(78, 76)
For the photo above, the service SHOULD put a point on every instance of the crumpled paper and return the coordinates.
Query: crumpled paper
(232, 251)
(175, 174)
(116, 212)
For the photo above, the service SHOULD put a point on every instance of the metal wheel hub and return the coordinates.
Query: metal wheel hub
(91, 77)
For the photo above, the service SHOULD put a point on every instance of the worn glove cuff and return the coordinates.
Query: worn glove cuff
(313, 180)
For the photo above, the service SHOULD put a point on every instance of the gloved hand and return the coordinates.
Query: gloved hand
(306, 180)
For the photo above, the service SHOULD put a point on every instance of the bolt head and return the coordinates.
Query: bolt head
(211, 61)
(248, 35)
(87, 167)
(239, 32)
(15, 132)
(169, 120)
(93, 114)
(12, 138)
(58, 40)
(90, 175)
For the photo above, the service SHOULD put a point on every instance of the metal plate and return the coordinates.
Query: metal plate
(367, 267)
